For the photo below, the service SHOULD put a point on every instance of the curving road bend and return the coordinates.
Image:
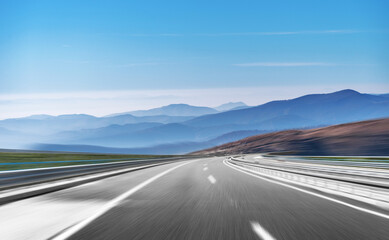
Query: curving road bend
(196, 199)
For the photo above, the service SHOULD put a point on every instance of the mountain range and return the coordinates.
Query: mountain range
(54, 124)
(155, 131)
(184, 110)
(231, 106)
(319, 109)
(172, 110)
(172, 148)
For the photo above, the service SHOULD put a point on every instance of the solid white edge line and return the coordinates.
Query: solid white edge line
(212, 179)
(261, 232)
(308, 192)
(111, 204)
(205, 169)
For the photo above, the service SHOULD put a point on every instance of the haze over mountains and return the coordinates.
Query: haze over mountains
(184, 110)
(172, 110)
(51, 124)
(231, 106)
(181, 128)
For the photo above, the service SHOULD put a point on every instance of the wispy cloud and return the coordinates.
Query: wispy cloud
(281, 33)
(156, 35)
(137, 64)
(284, 64)
(339, 31)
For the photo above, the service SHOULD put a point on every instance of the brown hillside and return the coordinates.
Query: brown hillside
(358, 138)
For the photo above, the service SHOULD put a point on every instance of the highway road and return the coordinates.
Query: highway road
(195, 199)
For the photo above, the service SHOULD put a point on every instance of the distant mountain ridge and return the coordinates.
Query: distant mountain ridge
(183, 110)
(231, 106)
(168, 148)
(172, 110)
(146, 132)
(70, 122)
(322, 109)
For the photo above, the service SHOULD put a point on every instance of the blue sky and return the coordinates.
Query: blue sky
(69, 47)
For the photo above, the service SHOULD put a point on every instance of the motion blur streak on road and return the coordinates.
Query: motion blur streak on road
(183, 204)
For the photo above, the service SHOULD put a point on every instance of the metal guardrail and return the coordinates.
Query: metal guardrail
(365, 193)
(324, 171)
(20, 178)
(347, 161)
(38, 183)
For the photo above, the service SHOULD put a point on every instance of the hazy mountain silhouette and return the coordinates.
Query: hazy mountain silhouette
(111, 131)
(231, 106)
(322, 109)
(172, 148)
(172, 110)
(39, 116)
(70, 122)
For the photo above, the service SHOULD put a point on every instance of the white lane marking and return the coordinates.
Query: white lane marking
(111, 204)
(205, 164)
(205, 169)
(308, 192)
(261, 232)
(41, 218)
(211, 179)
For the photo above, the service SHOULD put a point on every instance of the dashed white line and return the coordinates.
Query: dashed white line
(205, 169)
(111, 204)
(211, 179)
(247, 171)
(261, 232)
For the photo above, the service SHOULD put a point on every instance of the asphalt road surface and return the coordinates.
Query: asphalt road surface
(196, 199)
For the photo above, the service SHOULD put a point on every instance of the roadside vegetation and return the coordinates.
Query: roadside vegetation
(17, 160)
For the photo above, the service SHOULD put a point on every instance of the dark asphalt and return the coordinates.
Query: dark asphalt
(184, 204)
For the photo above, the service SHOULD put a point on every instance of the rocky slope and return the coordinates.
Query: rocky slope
(357, 138)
